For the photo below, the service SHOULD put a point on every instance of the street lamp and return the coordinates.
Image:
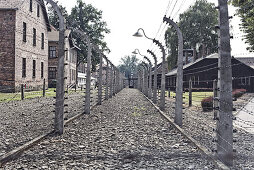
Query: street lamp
(162, 97)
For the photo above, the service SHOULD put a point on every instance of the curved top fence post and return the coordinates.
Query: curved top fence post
(179, 80)
(59, 107)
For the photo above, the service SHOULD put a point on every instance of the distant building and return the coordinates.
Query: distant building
(71, 52)
(203, 71)
(24, 27)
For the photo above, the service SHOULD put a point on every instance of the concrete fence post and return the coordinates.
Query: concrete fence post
(86, 39)
(163, 76)
(59, 107)
(215, 100)
(22, 92)
(107, 80)
(150, 77)
(100, 81)
(143, 80)
(190, 93)
(139, 84)
(117, 81)
(179, 80)
(88, 79)
(44, 88)
(154, 77)
(225, 117)
(111, 81)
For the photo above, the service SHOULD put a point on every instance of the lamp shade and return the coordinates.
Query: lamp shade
(134, 52)
(137, 34)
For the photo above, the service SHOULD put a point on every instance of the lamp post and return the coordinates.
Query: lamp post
(162, 97)
(179, 81)
(136, 51)
(154, 77)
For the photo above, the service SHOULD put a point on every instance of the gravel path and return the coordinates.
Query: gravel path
(199, 125)
(22, 121)
(125, 132)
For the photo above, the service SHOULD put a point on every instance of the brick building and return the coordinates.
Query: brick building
(24, 27)
(71, 52)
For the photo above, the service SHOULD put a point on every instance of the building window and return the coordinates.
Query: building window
(245, 81)
(42, 69)
(24, 32)
(34, 37)
(38, 10)
(42, 40)
(34, 68)
(31, 5)
(193, 80)
(52, 72)
(52, 52)
(23, 67)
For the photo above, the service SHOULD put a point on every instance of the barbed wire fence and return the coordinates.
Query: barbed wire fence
(27, 113)
(215, 131)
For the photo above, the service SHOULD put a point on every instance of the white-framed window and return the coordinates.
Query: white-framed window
(245, 81)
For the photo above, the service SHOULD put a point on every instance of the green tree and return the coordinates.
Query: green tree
(53, 17)
(88, 19)
(128, 65)
(246, 12)
(198, 27)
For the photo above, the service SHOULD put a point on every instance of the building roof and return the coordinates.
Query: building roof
(174, 71)
(247, 60)
(16, 4)
(54, 34)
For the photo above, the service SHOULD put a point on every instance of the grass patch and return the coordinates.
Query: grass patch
(6, 97)
(138, 111)
(197, 97)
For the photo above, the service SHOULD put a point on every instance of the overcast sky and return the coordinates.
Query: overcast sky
(124, 17)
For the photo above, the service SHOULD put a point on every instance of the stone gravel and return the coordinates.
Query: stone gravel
(200, 125)
(125, 132)
(22, 121)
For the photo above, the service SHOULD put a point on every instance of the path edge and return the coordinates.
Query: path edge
(17, 152)
(204, 150)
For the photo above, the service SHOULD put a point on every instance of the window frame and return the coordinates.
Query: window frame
(24, 31)
(34, 69)
(42, 69)
(38, 10)
(34, 37)
(31, 6)
(52, 52)
(42, 41)
(23, 67)
(54, 71)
